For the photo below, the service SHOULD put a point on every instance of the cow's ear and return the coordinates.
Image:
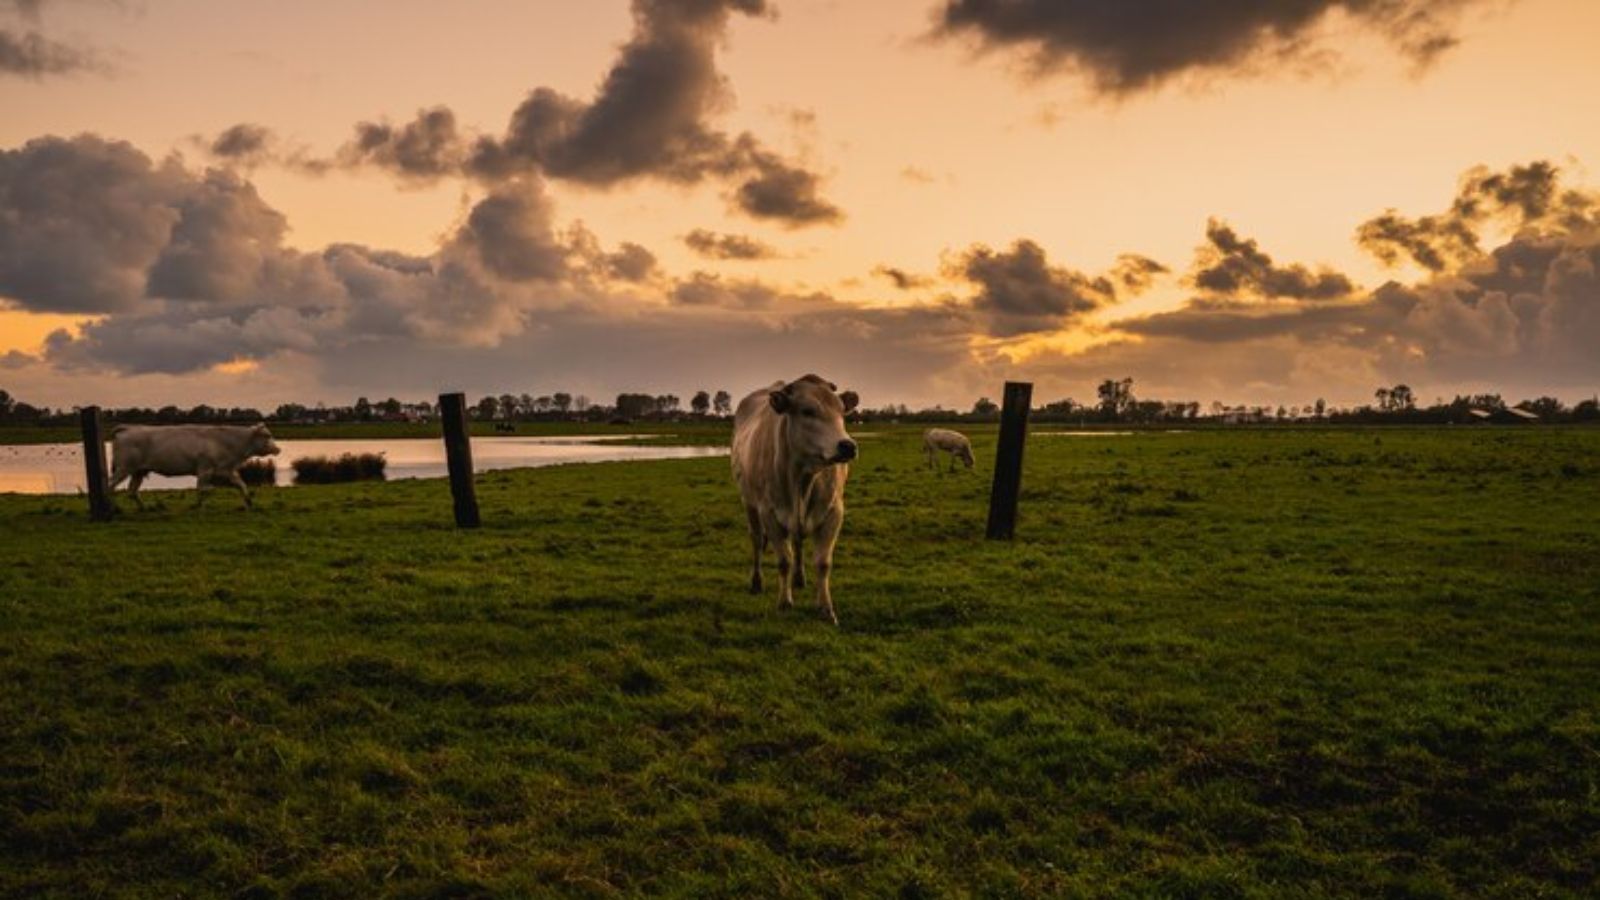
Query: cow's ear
(779, 401)
(850, 400)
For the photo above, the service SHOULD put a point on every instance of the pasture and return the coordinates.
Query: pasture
(1225, 663)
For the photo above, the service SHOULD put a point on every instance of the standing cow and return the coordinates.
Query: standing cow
(204, 451)
(935, 440)
(791, 457)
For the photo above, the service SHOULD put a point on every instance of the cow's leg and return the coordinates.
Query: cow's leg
(779, 535)
(952, 462)
(133, 489)
(201, 479)
(825, 537)
(799, 559)
(927, 450)
(244, 489)
(757, 544)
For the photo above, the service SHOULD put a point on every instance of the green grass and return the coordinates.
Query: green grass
(1254, 664)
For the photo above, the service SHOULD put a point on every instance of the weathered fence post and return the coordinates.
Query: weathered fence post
(94, 465)
(1008, 461)
(458, 457)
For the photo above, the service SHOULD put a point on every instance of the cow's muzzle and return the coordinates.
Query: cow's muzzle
(846, 452)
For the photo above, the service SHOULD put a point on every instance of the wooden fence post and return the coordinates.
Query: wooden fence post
(458, 457)
(94, 464)
(1008, 460)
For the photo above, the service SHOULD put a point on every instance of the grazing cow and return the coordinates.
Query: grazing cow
(204, 451)
(954, 443)
(791, 457)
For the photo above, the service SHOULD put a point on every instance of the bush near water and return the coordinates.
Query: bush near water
(339, 469)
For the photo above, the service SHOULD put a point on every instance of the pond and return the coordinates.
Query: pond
(58, 468)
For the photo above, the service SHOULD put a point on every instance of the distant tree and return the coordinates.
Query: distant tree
(1382, 395)
(22, 411)
(632, 406)
(363, 409)
(390, 408)
(7, 403)
(1587, 411)
(1321, 407)
(700, 403)
(509, 408)
(985, 407)
(667, 403)
(581, 403)
(722, 403)
(1115, 396)
(1401, 398)
(562, 401)
(1545, 407)
(488, 407)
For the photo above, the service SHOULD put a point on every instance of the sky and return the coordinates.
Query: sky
(250, 204)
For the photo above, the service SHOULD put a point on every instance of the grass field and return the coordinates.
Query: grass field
(1258, 664)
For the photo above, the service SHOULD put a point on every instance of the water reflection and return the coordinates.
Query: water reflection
(58, 468)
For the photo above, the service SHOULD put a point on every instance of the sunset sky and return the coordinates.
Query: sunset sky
(247, 204)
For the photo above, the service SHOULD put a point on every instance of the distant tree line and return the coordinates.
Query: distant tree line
(558, 406)
(1115, 403)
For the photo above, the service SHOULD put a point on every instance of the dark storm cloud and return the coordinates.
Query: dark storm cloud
(785, 193)
(1125, 47)
(82, 220)
(510, 232)
(711, 245)
(425, 149)
(1020, 292)
(192, 268)
(651, 118)
(224, 239)
(247, 146)
(34, 55)
(189, 269)
(1522, 197)
(630, 262)
(30, 54)
(1526, 312)
(707, 289)
(246, 142)
(902, 279)
(1135, 274)
(1234, 266)
(649, 115)
(178, 342)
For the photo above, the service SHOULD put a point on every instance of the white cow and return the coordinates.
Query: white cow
(204, 451)
(791, 457)
(935, 440)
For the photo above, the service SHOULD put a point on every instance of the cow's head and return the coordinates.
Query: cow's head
(261, 442)
(815, 413)
(966, 454)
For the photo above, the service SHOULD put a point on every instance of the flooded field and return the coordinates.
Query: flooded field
(58, 468)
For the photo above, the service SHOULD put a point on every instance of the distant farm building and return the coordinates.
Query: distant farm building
(1511, 415)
